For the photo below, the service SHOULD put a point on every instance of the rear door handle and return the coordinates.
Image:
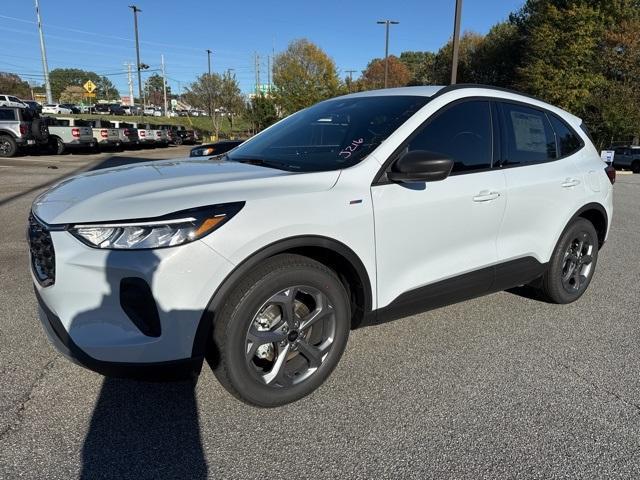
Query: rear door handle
(486, 196)
(570, 182)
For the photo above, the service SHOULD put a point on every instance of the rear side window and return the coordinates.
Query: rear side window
(529, 137)
(568, 141)
(7, 114)
(461, 132)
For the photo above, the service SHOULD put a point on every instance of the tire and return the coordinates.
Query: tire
(178, 141)
(57, 146)
(307, 356)
(572, 264)
(8, 146)
(635, 166)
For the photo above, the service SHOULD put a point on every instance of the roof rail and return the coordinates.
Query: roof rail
(460, 86)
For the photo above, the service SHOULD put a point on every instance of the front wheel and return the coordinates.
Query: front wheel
(281, 331)
(572, 264)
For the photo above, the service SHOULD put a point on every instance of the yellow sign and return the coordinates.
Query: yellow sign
(89, 86)
(89, 94)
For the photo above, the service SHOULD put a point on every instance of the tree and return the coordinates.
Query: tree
(469, 44)
(72, 94)
(373, 77)
(61, 78)
(154, 90)
(303, 75)
(231, 99)
(12, 84)
(495, 59)
(420, 65)
(206, 93)
(261, 112)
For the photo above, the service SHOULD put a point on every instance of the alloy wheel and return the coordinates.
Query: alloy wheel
(290, 336)
(577, 263)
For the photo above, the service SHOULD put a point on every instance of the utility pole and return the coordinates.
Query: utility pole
(43, 52)
(386, 23)
(456, 42)
(257, 71)
(164, 85)
(130, 81)
(135, 27)
(209, 52)
(269, 72)
(350, 72)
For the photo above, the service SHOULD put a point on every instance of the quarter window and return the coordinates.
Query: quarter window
(461, 132)
(529, 136)
(568, 142)
(7, 114)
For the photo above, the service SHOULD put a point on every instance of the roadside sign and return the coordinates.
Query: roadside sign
(174, 102)
(89, 94)
(89, 86)
(607, 155)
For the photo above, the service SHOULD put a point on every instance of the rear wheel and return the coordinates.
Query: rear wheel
(178, 141)
(572, 264)
(635, 166)
(282, 331)
(8, 146)
(57, 146)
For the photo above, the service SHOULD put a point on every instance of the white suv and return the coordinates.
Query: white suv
(373, 205)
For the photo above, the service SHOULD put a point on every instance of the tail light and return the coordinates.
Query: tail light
(126, 132)
(611, 173)
(104, 133)
(75, 132)
(23, 129)
(142, 133)
(159, 133)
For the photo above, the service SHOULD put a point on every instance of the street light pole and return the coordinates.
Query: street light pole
(209, 52)
(456, 42)
(43, 52)
(386, 23)
(135, 27)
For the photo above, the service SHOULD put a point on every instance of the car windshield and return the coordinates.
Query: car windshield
(330, 135)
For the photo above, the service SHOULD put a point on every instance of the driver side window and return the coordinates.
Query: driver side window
(461, 132)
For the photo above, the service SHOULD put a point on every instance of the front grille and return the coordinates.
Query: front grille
(43, 258)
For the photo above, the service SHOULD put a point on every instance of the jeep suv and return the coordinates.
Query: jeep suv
(20, 128)
(627, 157)
(365, 207)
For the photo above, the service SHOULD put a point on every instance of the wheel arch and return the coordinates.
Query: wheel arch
(597, 215)
(8, 132)
(330, 252)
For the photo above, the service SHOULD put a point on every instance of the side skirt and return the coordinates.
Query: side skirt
(463, 287)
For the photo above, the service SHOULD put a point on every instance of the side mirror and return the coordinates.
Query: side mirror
(420, 166)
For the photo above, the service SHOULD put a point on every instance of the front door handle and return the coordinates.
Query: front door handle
(486, 196)
(570, 182)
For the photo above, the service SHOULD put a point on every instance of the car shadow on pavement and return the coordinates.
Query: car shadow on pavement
(139, 429)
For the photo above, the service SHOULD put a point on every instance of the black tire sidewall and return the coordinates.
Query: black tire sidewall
(247, 386)
(553, 282)
(13, 146)
(59, 146)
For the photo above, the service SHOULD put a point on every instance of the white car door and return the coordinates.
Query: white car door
(544, 185)
(430, 232)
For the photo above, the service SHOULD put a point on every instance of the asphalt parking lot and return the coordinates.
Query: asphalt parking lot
(503, 386)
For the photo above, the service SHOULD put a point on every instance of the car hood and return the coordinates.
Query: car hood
(157, 188)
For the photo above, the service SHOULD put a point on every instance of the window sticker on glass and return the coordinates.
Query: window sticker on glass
(349, 149)
(529, 132)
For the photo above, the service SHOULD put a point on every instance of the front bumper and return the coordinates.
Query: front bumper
(86, 314)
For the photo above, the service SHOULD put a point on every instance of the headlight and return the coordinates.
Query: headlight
(167, 231)
(202, 151)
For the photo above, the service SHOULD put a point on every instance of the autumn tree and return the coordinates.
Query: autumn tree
(154, 90)
(72, 94)
(303, 75)
(231, 99)
(12, 84)
(373, 76)
(61, 78)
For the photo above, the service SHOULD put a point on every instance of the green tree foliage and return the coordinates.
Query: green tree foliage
(420, 65)
(72, 94)
(12, 84)
(373, 77)
(61, 78)
(469, 43)
(231, 99)
(261, 112)
(154, 91)
(303, 75)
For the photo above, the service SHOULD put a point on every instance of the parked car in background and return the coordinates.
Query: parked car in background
(146, 136)
(181, 135)
(33, 105)
(74, 108)
(627, 157)
(11, 101)
(173, 113)
(217, 148)
(108, 109)
(127, 132)
(85, 108)
(160, 135)
(149, 111)
(56, 109)
(69, 134)
(106, 136)
(20, 129)
(132, 109)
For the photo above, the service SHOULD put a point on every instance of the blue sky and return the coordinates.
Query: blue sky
(98, 35)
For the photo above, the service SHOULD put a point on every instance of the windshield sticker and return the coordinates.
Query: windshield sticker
(349, 149)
